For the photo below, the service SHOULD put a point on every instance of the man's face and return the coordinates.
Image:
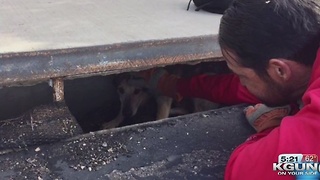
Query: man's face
(265, 89)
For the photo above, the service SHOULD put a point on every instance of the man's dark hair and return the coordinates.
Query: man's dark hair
(259, 30)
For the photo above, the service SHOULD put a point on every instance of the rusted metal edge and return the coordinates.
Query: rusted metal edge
(58, 90)
(30, 67)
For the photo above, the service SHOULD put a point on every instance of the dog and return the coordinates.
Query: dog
(139, 103)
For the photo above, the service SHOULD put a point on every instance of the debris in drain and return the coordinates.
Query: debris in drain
(205, 115)
(91, 157)
(37, 149)
(104, 144)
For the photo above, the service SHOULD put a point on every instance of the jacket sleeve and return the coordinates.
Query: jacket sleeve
(254, 158)
(225, 89)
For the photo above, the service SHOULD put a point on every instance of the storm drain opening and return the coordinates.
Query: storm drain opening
(60, 109)
(96, 103)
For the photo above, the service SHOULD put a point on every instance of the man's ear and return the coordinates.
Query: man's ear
(279, 70)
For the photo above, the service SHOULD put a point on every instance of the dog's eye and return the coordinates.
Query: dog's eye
(136, 91)
(120, 90)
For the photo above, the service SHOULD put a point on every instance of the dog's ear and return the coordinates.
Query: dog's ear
(120, 77)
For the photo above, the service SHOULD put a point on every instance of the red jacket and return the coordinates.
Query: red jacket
(299, 133)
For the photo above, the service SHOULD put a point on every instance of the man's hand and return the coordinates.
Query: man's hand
(262, 117)
(153, 76)
(162, 81)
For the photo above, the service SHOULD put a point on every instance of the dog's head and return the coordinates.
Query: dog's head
(133, 91)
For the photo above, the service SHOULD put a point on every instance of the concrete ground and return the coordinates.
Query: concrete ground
(45, 25)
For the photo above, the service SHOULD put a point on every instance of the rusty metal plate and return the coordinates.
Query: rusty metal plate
(35, 67)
